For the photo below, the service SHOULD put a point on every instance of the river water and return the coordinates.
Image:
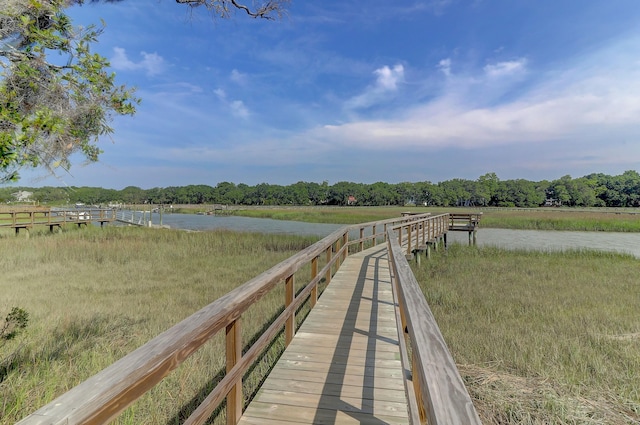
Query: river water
(628, 243)
(511, 239)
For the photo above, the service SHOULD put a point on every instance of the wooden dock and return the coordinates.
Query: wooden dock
(343, 366)
(349, 362)
(28, 218)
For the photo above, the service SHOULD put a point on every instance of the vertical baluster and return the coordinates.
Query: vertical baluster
(314, 274)
(327, 276)
(234, 354)
(289, 327)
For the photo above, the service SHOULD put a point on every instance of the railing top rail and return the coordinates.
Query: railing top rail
(442, 389)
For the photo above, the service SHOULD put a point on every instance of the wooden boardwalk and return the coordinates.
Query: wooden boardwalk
(343, 366)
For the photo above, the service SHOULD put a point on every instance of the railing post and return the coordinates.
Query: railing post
(345, 244)
(409, 237)
(418, 391)
(385, 232)
(373, 235)
(361, 239)
(290, 324)
(327, 276)
(314, 274)
(234, 354)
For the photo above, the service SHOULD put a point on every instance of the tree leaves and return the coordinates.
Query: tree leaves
(50, 111)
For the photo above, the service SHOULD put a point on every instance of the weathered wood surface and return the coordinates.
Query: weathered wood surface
(464, 221)
(343, 366)
(442, 396)
(28, 218)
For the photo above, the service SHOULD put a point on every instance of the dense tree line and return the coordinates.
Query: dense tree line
(597, 190)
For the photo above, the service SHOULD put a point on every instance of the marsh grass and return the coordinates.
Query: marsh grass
(602, 219)
(540, 337)
(94, 295)
(330, 215)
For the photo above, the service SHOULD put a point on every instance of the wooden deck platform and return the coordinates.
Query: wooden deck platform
(343, 366)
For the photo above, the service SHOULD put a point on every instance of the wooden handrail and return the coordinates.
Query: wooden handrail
(439, 389)
(46, 217)
(442, 397)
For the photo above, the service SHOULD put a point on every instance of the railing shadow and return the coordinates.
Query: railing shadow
(347, 332)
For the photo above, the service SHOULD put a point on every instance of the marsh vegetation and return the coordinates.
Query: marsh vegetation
(541, 338)
(538, 337)
(94, 295)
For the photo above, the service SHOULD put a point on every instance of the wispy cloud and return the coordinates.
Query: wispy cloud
(387, 80)
(236, 107)
(152, 63)
(445, 66)
(238, 77)
(598, 92)
(502, 69)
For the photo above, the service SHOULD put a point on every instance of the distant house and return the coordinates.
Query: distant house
(351, 200)
(22, 196)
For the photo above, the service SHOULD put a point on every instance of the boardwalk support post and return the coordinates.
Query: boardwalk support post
(314, 274)
(290, 324)
(329, 255)
(234, 354)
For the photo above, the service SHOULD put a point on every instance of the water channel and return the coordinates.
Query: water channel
(511, 239)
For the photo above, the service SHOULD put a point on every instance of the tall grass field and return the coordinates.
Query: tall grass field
(599, 220)
(94, 295)
(541, 338)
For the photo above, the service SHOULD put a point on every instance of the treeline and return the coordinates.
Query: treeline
(597, 190)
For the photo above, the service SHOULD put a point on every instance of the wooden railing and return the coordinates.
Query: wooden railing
(440, 395)
(104, 396)
(464, 221)
(28, 218)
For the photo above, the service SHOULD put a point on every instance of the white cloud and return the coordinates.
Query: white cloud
(238, 77)
(591, 99)
(221, 94)
(152, 63)
(445, 66)
(237, 107)
(502, 69)
(386, 82)
(388, 78)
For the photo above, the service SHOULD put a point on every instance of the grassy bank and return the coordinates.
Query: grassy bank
(95, 295)
(604, 220)
(541, 338)
(601, 220)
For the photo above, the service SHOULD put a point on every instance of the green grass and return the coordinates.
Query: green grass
(606, 220)
(539, 337)
(94, 295)
(552, 219)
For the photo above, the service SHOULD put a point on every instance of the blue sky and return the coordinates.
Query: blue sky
(368, 91)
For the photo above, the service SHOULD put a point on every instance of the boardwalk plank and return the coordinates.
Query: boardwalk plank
(339, 390)
(314, 415)
(343, 366)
